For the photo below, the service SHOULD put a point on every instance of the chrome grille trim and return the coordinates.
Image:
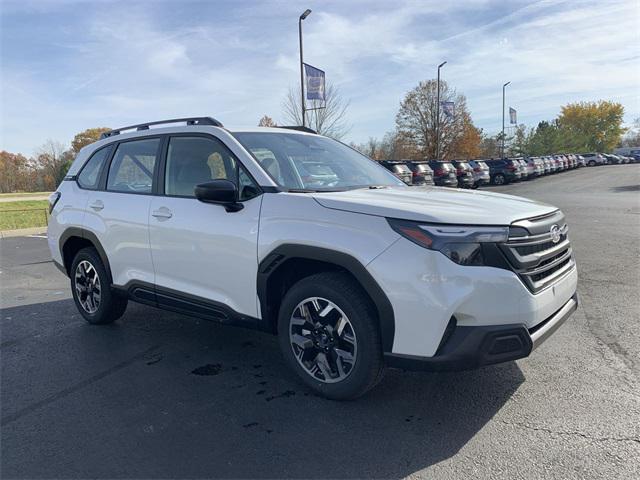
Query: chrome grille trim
(532, 254)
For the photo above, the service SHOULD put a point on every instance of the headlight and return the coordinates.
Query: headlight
(462, 244)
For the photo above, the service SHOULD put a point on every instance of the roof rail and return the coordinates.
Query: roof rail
(299, 128)
(145, 126)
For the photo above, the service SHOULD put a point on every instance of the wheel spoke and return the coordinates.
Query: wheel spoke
(344, 355)
(326, 310)
(301, 342)
(340, 324)
(347, 337)
(316, 305)
(323, 365)
(298, 321)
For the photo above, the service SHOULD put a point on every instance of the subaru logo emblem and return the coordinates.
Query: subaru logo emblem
(555, 233)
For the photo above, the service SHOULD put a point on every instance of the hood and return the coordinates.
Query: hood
(435, 205)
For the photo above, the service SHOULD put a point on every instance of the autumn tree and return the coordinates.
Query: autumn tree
(267, 121)
(591, 126)
(416, 121)
(327, 117)
(466, 145)
(53, 161)
(86, 137)
(16, 172)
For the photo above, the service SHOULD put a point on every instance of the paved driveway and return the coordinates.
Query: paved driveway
(160, 395)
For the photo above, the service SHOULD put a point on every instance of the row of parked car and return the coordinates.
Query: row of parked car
(475, 173)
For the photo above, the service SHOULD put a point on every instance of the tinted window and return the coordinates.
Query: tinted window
(132, 166)
(90, 174)
(194, 160)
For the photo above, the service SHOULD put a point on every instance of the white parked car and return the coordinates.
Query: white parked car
(535, 165)
(299, 235)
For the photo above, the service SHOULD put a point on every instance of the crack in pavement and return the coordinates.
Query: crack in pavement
(572, 434)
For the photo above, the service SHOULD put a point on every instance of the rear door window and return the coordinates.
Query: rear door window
(132, 166)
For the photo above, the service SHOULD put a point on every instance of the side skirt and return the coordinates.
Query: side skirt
(184, 303)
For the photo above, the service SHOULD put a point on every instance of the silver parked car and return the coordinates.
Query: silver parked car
(480, 173)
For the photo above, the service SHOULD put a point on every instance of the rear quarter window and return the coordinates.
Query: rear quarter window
(89, 177)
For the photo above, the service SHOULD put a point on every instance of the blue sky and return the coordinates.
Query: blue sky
(68, 65)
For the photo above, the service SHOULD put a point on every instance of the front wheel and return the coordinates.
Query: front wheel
(499, 179)
(91, 289)
(329, 336)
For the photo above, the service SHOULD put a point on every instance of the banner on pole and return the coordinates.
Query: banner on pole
(315, 83)
(448, 108)
(513, 119)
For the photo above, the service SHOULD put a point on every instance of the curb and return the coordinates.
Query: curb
(23, 232)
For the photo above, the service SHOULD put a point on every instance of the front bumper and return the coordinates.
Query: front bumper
(468, 347)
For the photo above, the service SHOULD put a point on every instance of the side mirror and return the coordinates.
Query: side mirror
(219, 192)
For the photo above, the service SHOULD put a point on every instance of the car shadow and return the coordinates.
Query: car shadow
(161, 395)
(626, 188)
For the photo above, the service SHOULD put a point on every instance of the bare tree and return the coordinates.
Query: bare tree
(267, 121)
(416, 122)
(330, 121)
(53, 160)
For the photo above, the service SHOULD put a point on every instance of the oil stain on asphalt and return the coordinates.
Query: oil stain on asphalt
(208, 370)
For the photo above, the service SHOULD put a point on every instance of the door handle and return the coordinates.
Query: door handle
(97, 205)
(162, 213)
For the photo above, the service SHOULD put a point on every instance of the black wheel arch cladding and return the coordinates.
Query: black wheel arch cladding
(277, 258)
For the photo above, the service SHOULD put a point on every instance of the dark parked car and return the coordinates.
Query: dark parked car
(444, 174)
(464, 173)
(422, 173)
(611, 159)
(399, 169)
(504, 171)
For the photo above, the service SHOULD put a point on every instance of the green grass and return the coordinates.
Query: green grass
(23, 214)
(24, 194)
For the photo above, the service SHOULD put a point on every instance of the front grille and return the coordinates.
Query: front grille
(533, 255)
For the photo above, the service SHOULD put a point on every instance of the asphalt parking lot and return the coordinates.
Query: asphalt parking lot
(159, 395)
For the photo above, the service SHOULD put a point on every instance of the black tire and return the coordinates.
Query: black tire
(592, 163)
(348, 296)
(499, 179)
(110, 306)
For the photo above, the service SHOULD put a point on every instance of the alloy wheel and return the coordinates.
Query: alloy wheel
(87, 285)
(323, 340)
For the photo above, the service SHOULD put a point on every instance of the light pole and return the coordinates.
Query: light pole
(304, 15)
(438, 114)
(502, 149)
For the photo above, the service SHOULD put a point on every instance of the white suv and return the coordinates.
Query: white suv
(296, 234)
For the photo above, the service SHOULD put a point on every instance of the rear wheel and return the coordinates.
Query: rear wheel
(499, 179)
(91, 288)
(329, 335)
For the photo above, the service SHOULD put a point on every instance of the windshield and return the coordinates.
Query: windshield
(312, 162)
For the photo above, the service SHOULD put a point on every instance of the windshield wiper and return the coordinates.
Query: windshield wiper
(377, 187)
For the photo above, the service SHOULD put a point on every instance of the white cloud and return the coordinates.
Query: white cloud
(121, 66)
